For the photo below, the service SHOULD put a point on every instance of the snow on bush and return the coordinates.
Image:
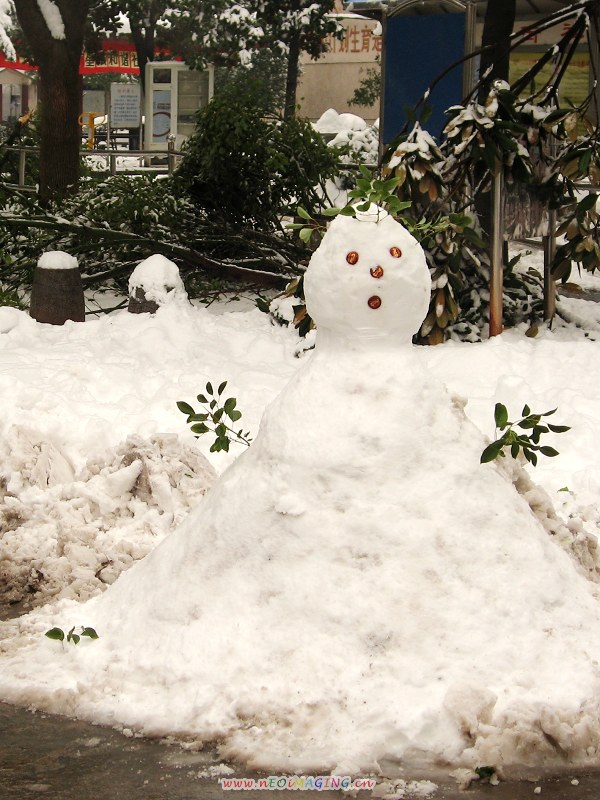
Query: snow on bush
(353, 132)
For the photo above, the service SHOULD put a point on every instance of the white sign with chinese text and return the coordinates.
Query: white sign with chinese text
(125, 105)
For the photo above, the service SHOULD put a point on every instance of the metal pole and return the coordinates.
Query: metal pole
(171, 154)
(549, 253)
(22, 155)
(113, 163)
(382, 97)
(496, 260)
(594, 47)
(470, 45)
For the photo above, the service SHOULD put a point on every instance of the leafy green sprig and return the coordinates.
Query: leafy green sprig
(516, 441)
(59, 635)
(371, 191)
(213, 419)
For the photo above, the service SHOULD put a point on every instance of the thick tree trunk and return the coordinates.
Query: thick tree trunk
(497, 29)
(60, 133)
(57, 51)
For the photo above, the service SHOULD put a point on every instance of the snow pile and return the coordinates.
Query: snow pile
(332, 122)
(68, 533)
(57, 259)
(158, 280)
(356, 586)
(353, 131)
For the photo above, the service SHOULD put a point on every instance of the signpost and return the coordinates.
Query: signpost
(125, 105)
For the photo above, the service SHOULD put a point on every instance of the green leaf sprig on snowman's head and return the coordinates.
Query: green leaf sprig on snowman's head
(371, 200)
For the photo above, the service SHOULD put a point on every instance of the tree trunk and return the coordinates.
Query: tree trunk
(57, 54)
(291, 81)
(143, 39)
(497, 29)
(60, 134)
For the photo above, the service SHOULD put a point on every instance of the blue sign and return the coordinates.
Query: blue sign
(417, 50)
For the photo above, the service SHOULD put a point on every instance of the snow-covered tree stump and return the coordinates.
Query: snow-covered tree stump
(154, 283)
(57, 293)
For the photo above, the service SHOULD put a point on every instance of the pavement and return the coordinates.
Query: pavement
(57, 758)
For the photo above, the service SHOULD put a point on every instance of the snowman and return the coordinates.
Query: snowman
(368, 281)
(341, 599)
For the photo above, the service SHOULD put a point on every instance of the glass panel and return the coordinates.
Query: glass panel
(192, 94)
(161, 114)
(161, 75)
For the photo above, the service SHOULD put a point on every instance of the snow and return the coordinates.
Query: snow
(373, 276)
(159, 280)
(356, 585)
(57, 259)
(53, 19)
(349, 129)
(6, 44)
(332, 122)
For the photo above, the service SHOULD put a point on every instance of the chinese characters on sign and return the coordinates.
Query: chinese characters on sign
(125, 105)
(550, 35)
(113, 58)
(358, 40)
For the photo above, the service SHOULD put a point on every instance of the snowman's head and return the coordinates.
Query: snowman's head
(368, 279)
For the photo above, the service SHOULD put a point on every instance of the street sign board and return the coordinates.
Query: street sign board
(125, 105)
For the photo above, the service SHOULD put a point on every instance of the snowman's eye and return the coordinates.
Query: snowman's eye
(352, 257)
(374, 302)
(377, 272)
(395, 252)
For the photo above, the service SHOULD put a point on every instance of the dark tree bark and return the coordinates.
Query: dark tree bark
(497, 29)
(60, 91)
(143, 39)
(291, 81)
(143, 21)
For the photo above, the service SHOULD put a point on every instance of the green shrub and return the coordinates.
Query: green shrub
(112, 224)
(249, 167)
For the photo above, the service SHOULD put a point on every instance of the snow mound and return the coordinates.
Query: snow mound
(352, 130)
(68, 534)
(356, 586)
(332, 122)
(159, 280)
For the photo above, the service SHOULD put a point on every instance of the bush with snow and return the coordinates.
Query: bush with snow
(358, 141)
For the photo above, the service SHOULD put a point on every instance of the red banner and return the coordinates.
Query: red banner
(116, 56)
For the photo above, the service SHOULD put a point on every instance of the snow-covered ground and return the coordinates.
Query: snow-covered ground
(97, 467)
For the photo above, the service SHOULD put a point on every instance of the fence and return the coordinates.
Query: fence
(161, 161)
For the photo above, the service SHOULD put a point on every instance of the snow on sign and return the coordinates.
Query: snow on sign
(125, 105)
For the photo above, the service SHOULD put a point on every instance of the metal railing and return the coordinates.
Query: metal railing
(169, 157)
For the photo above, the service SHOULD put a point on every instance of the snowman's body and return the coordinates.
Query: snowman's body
(318, 610)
